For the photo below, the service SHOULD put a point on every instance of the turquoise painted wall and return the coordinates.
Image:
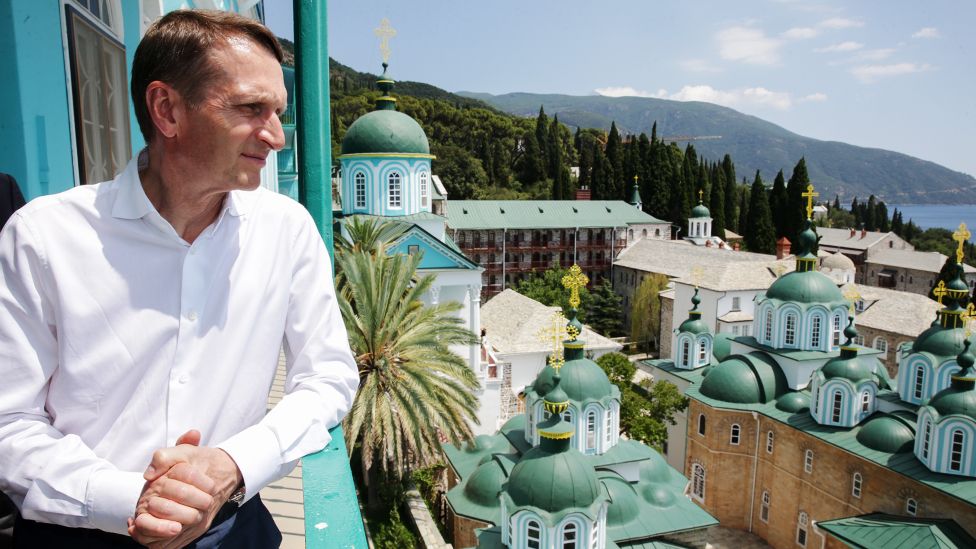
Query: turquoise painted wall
(133, 33)
(34, 126)
(432, 259)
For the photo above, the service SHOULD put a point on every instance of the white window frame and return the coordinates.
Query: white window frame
(735, 433)
(685, 352)
(881, 344)
(836, 406)
(698, 482)
(530, 525)
(591, 430)
(736, 303)
(911, 506)
(802, 522)
(764, 507)
(394, 190)
(836, 330)
(359, 189)
(815, 324)
(857, 482)
(424, 189)
(956, 448)
(808, 461)
(926, 438)
(570, 528)
(865, 402)
(789, 332)
(768, 329)
(919, 389)
(770, 437)
(702, 351)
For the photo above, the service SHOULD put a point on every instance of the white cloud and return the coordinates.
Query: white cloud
(698, 65)
(739, 97)
(875, 55)
(813, 97)
(800, 33)
(748, 45)
(927, 32)
(871, 73)
(840, 23)
(842, 46)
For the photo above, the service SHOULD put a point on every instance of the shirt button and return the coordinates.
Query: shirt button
(192, 315)
(183, 379)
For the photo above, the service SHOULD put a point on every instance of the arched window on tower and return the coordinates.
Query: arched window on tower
(926, 438)
(768, 328)
(919, 381)
(856, 482)
(424, 189)
(836, 331)
(764, 510)
(702, 352)
(701, 424)
(769, 442)
(955, 451)
(685, 353)
(815, 332)
(698, 482)
(591, 430)
(359, 182)
(789, 337)
(608, 427)
(837, 408)
(570, 537)
(533, 534)
(802, 522)
(865, 402)
(395, 190)
(734, 434)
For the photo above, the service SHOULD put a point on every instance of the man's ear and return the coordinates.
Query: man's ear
(165, 107)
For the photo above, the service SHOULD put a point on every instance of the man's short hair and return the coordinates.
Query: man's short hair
(177, 50)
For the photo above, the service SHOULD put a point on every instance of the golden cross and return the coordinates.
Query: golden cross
(574, 281)
(961, 235)
(700, 193)
(554, 335)
(940, 291)
(809, 195)
(697, 273)
(384, 32)
(851, 294)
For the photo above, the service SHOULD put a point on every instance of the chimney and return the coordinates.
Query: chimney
(853, 232)
(584, 194)
(735, 246)
(864, 232)
(782, 247)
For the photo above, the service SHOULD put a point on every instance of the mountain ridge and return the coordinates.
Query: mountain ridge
(835, 167)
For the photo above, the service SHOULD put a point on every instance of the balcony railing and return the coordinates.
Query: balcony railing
(332, 516)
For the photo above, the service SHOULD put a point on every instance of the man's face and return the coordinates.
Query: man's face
(227, 138)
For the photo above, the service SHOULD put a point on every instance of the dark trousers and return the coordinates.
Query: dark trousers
(251, 527)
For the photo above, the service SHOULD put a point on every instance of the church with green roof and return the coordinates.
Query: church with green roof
(560, 476)
(797, 424)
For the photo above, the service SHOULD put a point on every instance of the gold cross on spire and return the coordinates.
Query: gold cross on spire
(697, 273)
(940, 291)
(554, 335)
(700, 193)
(961, 235)
(574, 281)
(384, 32)
(635, 179)
(851, 294)
(809, 195)
(968, 318)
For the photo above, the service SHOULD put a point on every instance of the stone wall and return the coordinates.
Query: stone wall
(423, 523)
(667, 312)
(889, 359)
(733, 492)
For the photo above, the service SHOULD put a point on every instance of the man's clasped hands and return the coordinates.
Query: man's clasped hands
(185, 487)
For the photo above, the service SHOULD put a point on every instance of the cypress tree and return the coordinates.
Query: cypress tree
(836, 202)
(796, 205)
(615, 157)
(716, 203)
(760, 234)
(554, 150)
(531, 162)
(870, 221)
(659, 174)
(731, 199)
(743, 199)
(778, 199)
(542, 140)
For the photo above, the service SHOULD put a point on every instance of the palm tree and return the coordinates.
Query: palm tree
(414, 392)
(363, 232)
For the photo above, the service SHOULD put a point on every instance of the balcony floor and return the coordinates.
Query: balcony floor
(284, 497)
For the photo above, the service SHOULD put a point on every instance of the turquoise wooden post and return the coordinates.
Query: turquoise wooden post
(332, 518)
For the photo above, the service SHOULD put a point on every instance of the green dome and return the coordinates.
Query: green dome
(485, 483)
(805, 287)
(553, 482)
(745, 379)
(694, 325)
(624, 506)
(654, 469)
(487, 444)
(887, 433)
(658, 495)
(793, 402)
(580, 378)
(700, 211)
(385, 131)
(853, 368)
(955, 400)
(939, 341)
(722, 345)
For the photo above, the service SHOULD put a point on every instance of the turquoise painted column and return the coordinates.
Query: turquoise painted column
(332, 518)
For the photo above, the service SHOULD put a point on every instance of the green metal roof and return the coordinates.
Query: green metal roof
(880, 531)
(543, 214)
(700, 211)
(553, 480)
(581, 379)
(888, 433)
(805, 287)
(962, 488)
(944, 343)
(750, 378)
(385, 131)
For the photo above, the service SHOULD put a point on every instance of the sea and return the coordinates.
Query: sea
(947, 216)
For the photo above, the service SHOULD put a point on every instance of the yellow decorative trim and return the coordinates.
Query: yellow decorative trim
(848, 348)
(386, 82)
(555, 436)
(574, 344)
(573, 282)
(387, 98)
(556, 407)
(388, 155)
(960, 378)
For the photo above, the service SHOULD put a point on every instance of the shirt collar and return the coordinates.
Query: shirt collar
(131, 201)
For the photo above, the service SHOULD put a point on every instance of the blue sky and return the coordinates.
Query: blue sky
(897, 75)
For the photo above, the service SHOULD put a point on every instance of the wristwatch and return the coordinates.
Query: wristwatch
(237, 498)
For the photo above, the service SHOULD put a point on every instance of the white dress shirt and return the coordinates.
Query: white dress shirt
(117, 336)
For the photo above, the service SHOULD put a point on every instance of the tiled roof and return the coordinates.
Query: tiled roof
(513, 321)
(677, 258)
(741, 275)
(841, 238)
(895, 311)
(544, 214)
(910, 259)
(881, 531)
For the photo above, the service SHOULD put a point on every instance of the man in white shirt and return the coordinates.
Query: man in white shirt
(141, 318)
